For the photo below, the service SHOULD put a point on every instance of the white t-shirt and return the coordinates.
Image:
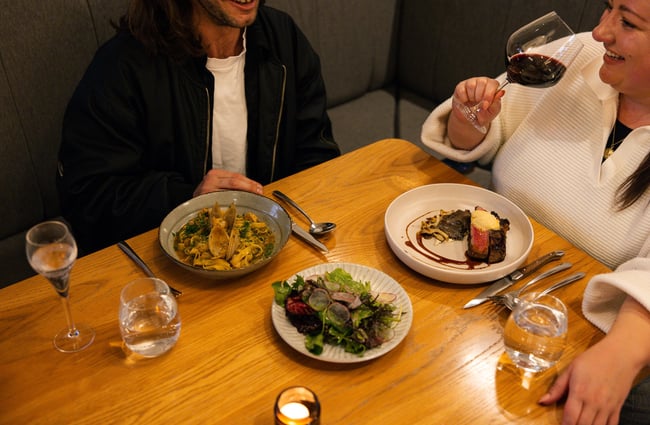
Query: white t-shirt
(229, 115)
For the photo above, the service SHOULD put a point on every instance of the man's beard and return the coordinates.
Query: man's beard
(220, 17)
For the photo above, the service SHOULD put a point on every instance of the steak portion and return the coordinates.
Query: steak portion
(446, 225)
(456, 224)
(486, 240)
(485, 231)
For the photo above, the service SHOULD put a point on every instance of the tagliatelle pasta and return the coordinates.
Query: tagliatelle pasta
(218, 240)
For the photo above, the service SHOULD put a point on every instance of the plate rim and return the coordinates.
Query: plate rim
(277, 315)
(455, 276)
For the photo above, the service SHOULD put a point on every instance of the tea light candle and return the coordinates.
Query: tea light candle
(295, 410)
(297, 406)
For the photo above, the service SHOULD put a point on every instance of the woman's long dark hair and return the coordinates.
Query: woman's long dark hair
(635, 185)
(163, 27)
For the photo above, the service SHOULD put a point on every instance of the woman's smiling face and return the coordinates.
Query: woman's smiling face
(624, 30)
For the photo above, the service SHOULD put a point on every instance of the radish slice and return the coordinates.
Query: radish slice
(386, 297)
(319, 299)
(338, 314)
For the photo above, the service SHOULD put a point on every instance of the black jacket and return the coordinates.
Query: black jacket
(137, 131)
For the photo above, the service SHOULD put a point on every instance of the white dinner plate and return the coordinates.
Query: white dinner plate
(447, 261)
(379, 282)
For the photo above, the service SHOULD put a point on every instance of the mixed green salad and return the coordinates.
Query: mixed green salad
(333, 308)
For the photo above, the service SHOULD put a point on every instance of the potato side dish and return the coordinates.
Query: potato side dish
(218, 240)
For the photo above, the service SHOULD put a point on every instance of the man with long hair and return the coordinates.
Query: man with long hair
(189, 97)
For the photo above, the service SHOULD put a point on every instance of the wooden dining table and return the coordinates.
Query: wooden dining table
(230, 363)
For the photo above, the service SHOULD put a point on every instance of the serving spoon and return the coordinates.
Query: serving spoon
(316, 229)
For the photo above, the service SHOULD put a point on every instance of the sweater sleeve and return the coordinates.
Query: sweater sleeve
(605, 293)
(515, 107)
(434, 136)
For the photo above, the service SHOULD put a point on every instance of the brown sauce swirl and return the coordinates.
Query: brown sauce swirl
(419, 246)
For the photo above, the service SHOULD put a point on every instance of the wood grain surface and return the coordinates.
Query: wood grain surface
(230, 364)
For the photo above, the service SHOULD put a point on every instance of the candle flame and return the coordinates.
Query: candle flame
(295, 410)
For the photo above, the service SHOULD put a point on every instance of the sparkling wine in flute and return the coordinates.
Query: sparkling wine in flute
(51, 251)
(54, 262)
(537, 55)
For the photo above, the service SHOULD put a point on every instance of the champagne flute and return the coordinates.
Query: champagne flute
(51, 251)
(537, 55)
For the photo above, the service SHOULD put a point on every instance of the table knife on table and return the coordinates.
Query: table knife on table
(307, 237)
(126, 248)
(507, 281)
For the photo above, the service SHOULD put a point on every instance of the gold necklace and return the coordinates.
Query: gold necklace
(612, 144)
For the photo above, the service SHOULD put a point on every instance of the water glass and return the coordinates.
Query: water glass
(535, 334)
(149, 320)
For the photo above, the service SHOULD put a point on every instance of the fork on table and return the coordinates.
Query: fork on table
(511, 298)
(502, 299)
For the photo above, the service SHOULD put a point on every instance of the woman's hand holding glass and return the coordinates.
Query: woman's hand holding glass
(481, 91)
(537, 55)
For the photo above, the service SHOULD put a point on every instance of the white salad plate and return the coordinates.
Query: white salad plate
(379, 282)
(447, 261)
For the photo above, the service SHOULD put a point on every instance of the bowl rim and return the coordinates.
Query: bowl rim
(167, 226)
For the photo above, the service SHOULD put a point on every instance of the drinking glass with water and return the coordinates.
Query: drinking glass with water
(149, 320)
(535, 334)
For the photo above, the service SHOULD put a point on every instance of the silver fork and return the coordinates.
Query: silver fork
(507, 298)
(512, 302)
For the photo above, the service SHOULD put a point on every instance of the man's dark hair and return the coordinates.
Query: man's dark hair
(163, 27)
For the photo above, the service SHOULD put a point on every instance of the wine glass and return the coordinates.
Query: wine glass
(537, 55)
(51, 251)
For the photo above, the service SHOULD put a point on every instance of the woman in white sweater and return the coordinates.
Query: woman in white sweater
(550, 151)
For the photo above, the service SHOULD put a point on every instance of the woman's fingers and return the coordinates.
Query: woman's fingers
(475, 90)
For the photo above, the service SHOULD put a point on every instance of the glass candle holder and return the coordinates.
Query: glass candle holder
(297, 406)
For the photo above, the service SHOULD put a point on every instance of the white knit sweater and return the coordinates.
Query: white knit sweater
(546, 148)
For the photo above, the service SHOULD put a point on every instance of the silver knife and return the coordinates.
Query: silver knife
(307, 237)
(507, 281)
(126, 248)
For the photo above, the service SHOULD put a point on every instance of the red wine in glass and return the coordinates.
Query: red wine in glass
(537, 55)
(534, 70)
